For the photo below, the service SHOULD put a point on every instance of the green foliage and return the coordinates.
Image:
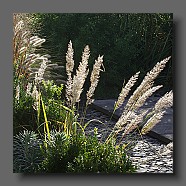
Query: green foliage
(51, 90)
(57, 153)
(58, 115)
(81, 154)
(61, 152)
(96, 157)
(51, 95)
(24, 115)
(27, 154)
(64, 154)
(129, 43)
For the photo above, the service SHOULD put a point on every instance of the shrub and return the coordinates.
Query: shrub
(81, 154)
(56, 153)
(27, 154)
(64, 154)
(96, 157)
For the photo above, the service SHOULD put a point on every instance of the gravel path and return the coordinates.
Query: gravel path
(148, 154)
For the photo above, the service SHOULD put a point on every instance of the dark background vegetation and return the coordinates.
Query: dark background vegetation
(130, 43)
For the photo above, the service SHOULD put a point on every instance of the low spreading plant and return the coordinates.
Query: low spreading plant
(64, 154)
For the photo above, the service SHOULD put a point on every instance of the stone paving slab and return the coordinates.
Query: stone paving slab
(163, 131)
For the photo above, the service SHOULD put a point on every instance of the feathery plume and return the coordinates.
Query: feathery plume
(19, 26)
(145, 96)
(164, 102)
(28, 89)
(41, 70)
(69, 70)
(158, 111)
(125, 90)
(17, 92)
(133, 124)
(147, 82)
(38, 42)
(94, 79)
(124, 118)
(155, 119)
(69, 59)
(79, 78)
(35, 95)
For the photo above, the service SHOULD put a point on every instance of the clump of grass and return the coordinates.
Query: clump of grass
(29, 73)
(131, 118)
(74, 86)
(75, 82)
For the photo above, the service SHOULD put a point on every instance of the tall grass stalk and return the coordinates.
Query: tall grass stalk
(74, 86)
(130, 119)
(29, 67)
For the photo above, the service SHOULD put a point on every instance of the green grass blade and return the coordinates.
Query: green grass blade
(45, 117)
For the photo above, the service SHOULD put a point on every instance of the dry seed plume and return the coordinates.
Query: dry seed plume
(159, 109)
(94, 79)
(69, 59)
(40, 73)
(79, 78)
(152, 121)
(69, 70)
(133, 124)
(125, 90)
(142, 99)
(129, 120)
(147, 82)
(164, 102)
(122, 121)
